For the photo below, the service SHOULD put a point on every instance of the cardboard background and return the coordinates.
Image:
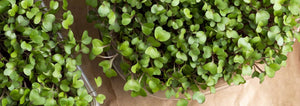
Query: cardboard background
(282, 90)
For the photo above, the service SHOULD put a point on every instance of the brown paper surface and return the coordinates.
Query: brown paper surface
(282, 90)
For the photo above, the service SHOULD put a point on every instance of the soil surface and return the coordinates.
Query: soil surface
(282, 90)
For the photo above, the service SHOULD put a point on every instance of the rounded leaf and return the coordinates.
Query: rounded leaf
(100, 98)
(132, 85)
(152, 52)
(147, 28)
(182, 102)
(126, 19)
(104, 9)
(98, 81)
(200, 97)
(211, 67)
(97, 46)
(161, 35)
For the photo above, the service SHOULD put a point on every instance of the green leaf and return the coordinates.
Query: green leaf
(78, 84)
(175, 2)
(26, 46)
(68, 48)
(126, 19)
(170, 93)
(294, 7)
(10, 35)
(152, 52)
(97, 46)
(25, 96)
(71, 64)
(210, 81)
(98, 81)
(68, 20)
(36, 37)
(211, 67)
(38, 18)
(135, 41)
(201, 36)
(105, 64)
(194, 54)
(153, 42)
(29, 3)
(65, 5)
(110, 73)
(12, 12)
(147, 28)
(261, 77)
(54, 5)
(22, 20)
(79, 59)
(238, 79)
(207, 52)
(161, 35)
(104, 9)
(125, 49)
(222, 5)
(274, 33)
(48, 22)
(270, 72)
(262, 17)
(157, 9)
(275, 66)
(93, 3)
(209, 14)
(4, 102)
(4, 6)
(84, 49)
(50, 102)
(279, 40)
(135, 67)
(27, 69)
(100, 98)
(1, 64)
(246, 70)
(154, 86)
(247, 1)
(232, 34)
(181, 56)
(200, 97)
(187, 13)
(158, 64)
(57, 71)
(14, 54)
(238, 59)
(242, 42)
(58, 58)
(7, 72)
(182, 102)
(255, 40)
(66, 101)
(35, 97)
(30, 14)
(152, 71)
(15, 94)
(132, 85)
(85, 39)
(145, 60)
(112, 18)
(64, 87)
(24, 4)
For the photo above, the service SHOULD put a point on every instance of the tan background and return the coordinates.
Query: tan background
(282, 90)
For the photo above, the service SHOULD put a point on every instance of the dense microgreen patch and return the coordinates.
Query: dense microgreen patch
(182, 45)
(36, 63)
